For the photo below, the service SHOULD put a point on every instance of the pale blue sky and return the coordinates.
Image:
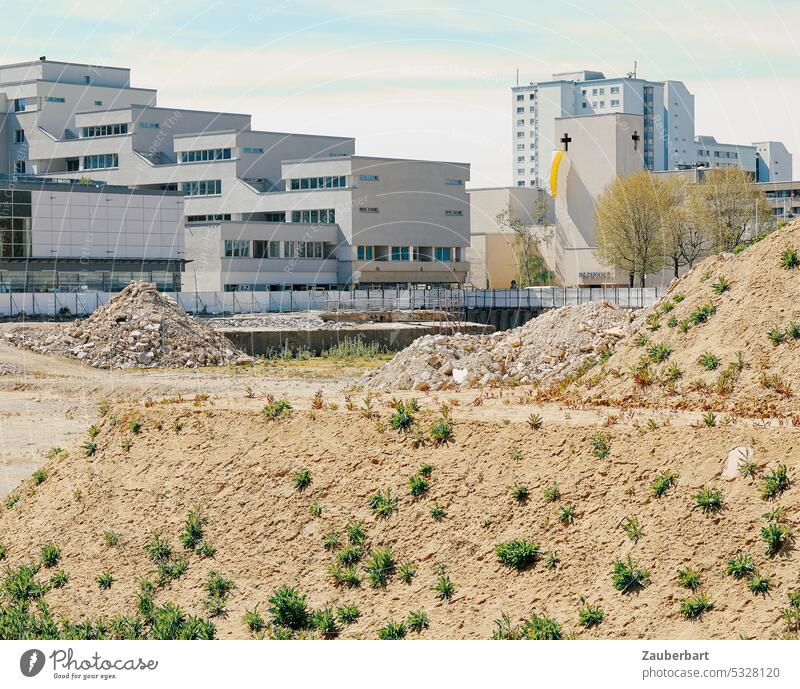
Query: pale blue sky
(426, 79)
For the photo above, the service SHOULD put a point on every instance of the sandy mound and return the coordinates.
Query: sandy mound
(554, 344)
(685, 352)
(139, 327)
(151, 467)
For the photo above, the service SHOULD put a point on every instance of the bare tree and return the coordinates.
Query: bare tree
(684, 239)
(531, 267)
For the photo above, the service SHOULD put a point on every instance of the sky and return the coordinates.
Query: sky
(421, 79)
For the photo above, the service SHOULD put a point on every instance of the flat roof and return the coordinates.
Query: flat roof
(58, 62)
(94, 186)
(143, 106)
(352, 156)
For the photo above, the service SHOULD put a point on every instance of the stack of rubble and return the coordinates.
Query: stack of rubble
(10, 370)
(553, 344)
(138, 328)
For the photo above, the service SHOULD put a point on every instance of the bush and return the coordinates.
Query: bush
(407, 572)
(383, 504)
(709, 361)
(20, 585)
(566, 515)
(89, 448)
(552, 493)
(662, 483)
(775, 482)
(192, 532)
(275, 409)
(380, 566)
(540, 628)
(301, 480)
(740, 566)
(104, 580)
(688, 578)
(345, 575)
(59, 579)
(694, 607)
(253, 620)
(444, 588)
(776, 336)
(110, 538)
(287, 607)
(628, 575)
(356, 534)
(519, 492)
(659, 353)
(417, 621)
(350, 554)
(402, 418)
(348, 614)
(590, 615)
(789, 259)
(39, 477)
(600, 447)
(702, 313)
(535, 422)
(50, 554)
(708, 500)
(158, 549)
(519, 554)
(633, 528)
(393, 631)
(418, 485)
(441, 431)
(438, 512)
(758, 584)
(775, 537)
(722, 285)
(324, 621)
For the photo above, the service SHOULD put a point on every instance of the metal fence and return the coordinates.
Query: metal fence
(17, 304)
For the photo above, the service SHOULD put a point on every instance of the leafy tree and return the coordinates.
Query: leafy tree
(531, 267)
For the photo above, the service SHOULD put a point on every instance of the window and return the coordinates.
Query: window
(443, 253)
(520, 184)
(252, 149)
(614, 103)
(520, 159)
(454, 182)
(87, 79)
(520, 97)
(532, 109)
(584, 104)
(325, 216)
(338, 182)
(367, 209)
(237, 248)
(615, 89)
(400, 253)
(101, 162)
(15, 223)
(520, 135)
(594, 92)
(520, 170)
(19, 105)
(19, 167)
(602, 104)
(454, 213)
(98, 102)
(364, 253)
(532, 146)
(148, 125)
(275, 216)
(520, 123)
(19, 136)
(104, 130)
(266, 249)
(368, 178)
(602, 91)
(205, 155)
(209, 187)
(289, 249)
(520, 110)
(216, 217)
(532, 96)
(73, 164)
(594, 103)
(54, 99)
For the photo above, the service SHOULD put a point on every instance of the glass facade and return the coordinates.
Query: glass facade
(325, 216)
(104, 130)
(15, 223)
(339, 182)
(205, 155)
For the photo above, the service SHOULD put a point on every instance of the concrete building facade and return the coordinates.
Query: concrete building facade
(381, 221)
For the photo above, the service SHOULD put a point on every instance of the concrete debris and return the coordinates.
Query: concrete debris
(276, 321)
(10, 370)
(554, 344)
(138, 328)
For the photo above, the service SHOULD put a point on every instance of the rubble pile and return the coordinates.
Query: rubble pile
(10, 370)
(556, 343)
(138, 328)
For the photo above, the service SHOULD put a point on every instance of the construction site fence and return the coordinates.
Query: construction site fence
(65, 304)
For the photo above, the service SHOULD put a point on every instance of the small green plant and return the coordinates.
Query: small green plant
(758, 584)
(54, 452)
(89, 448)
(344, 575)
(324, 621)
(426, 470)
(3, 552)
(158, 549)
(709, 361)
(332, 540)
(402, 418)
(673, 372)
(441, 431)
(418, 485)
(721, 285)
(740, 566)
(658, 353)
(535, 422)
(438, 512)
(775, 482)
(789, 259)
(287, 607)
(776, 336)
(276, 409)
(632, 528)
(383, 504)
(688, 578)
(12, 500)
(709, 500)
(356, 534)
(641, 340)
(93, 431)
(590, 615)
(678, 297)
(126, 445)
(683, 326)
(39, 477)
(662, 483)
(59, 579)
(520, 492)
(350, 554)
(104, 580)
(519, 554)
(551, 560)
(672, 321)
(775, 537)
(566, 515)
(552, 493)
(417, 621)
(600, 446)
(709, 419)
(793, 331)
(110, 538)
(628, 575)
(348, 614)
(301, 480)
(694, 607)
(315, 509)
(193, 529)
(444, 588)
(702, 313)
(379, 567)
(135, 426)
(747, 467)
(392, 631)
(206, 549)
(406, 572)
(170, 570)
(51, 554)
(253, 620)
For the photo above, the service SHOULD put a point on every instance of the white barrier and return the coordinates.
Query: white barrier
(17, 304)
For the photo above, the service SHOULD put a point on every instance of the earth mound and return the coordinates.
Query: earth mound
(137, 328)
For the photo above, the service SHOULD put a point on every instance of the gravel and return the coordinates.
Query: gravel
(276, 321)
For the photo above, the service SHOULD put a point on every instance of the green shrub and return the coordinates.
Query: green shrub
(758, 584)
(793, 331)
(324, 621)
(3, 552)
(535, 422)
(110, 538)
(740, 566)
(662, 483)
(702, 313)
(356, 534)
(519, 554)
(407, 572)
(444, 587)
(628, 575)
(641, 340)
(552, 493)
(789, 259)
(776, 336)
(206, 549)
(721, 285)
(393, 631)
(20, 585)
(417, 621)
(344, 575)
(540, 628)
(551, 560)
(348, 614)
(379, 567)
(39, 477)
(253, 620)
(709, 361)
(590, 615)
(383, 504)
(169, 570)
(438, 512)
(158, 549)
(688, 578)
(59, 579)
(694, 607)
(632, 528)
(104, 580)
(709, 500)
(301, 480)
(418, 485)
(315, 509)
(519, 492)
(402, 418)
(50, 554)
(426, 470)
(566, 515)
(709, 419)
(775, 482)
(275, 409)
(441, 431)
(659, 353)
(192, 533)
(89, 448)
(350, 554)
(600, 447)
(775, 537)
(287, 607)
(332, 540)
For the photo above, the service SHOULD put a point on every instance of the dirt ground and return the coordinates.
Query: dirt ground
(227, 460)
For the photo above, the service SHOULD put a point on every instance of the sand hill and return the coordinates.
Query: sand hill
(147, 469)
(726, 336)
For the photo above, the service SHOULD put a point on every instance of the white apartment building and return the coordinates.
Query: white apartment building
(668, 132)
(273, 210)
